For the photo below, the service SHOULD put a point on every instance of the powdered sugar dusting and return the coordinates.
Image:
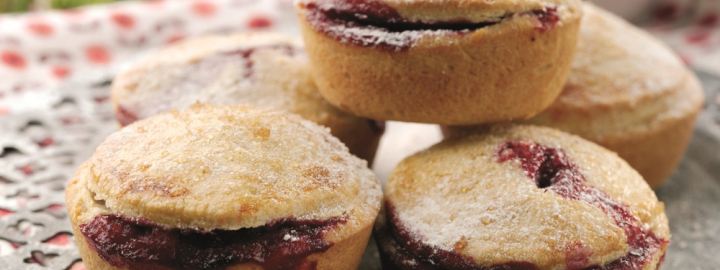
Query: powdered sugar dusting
(378, 37)
(465, 199)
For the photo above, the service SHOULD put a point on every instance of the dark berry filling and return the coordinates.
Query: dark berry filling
(540, 163)
(548, 19)
(399, 249)
(377, 14)
(124, 116)
(552, 170)
(373, 23)
(139, 244)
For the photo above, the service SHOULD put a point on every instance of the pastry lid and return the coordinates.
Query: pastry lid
(229, 168)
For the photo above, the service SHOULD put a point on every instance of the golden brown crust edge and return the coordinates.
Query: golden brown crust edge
(375, 83)
(656, 154)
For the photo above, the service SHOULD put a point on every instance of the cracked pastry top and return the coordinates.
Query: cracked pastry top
(520, 197)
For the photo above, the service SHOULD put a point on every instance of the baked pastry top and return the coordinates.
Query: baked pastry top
(525, 196)
(225, 168)
(624, 79)
(258, 69)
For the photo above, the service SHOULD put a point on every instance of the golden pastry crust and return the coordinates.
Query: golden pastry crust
(629, 93)
(457, 197)
(218, 167)
(259, 69)
(228, 168)
(440, 75)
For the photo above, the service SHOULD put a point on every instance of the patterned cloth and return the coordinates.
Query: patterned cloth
(39, 51)
(692, 28)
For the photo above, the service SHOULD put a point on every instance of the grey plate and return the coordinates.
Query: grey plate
(692, 196)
